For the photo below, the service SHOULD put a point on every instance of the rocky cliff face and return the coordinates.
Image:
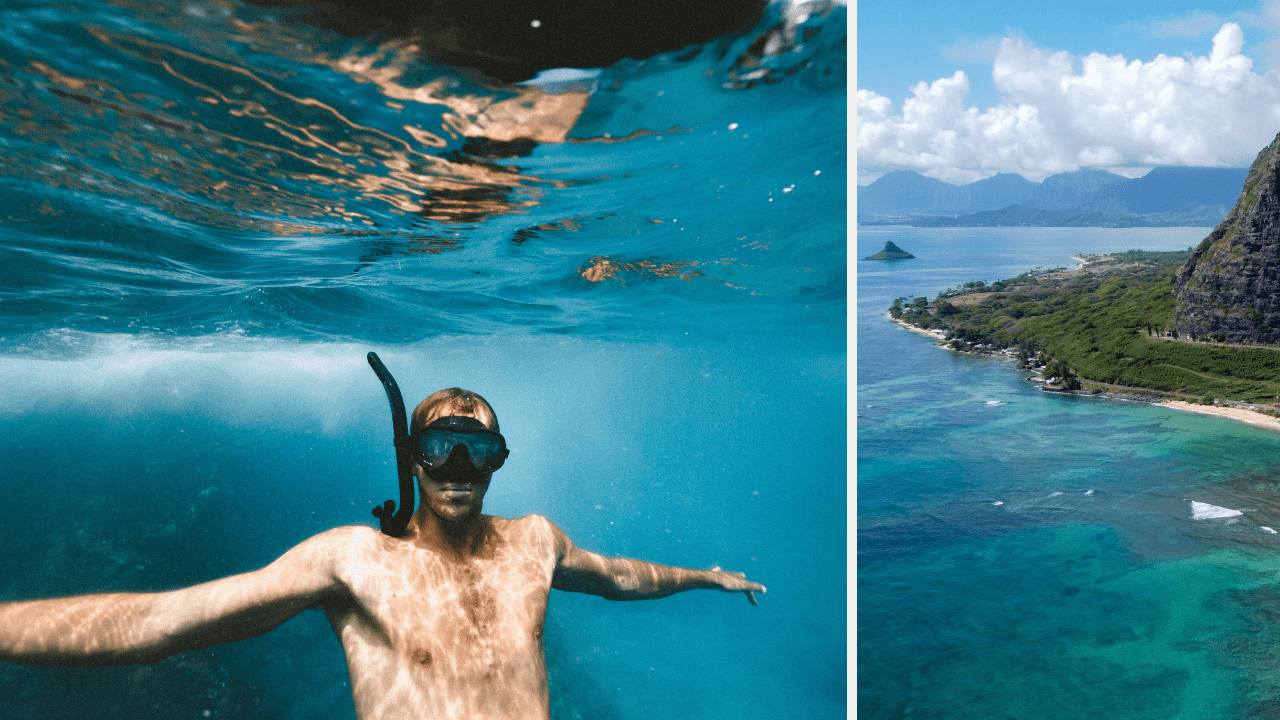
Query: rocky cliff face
(1230, 286)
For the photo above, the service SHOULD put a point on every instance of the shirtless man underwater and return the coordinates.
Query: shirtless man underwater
(442, 619)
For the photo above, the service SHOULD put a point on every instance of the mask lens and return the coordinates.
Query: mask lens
(488, 450)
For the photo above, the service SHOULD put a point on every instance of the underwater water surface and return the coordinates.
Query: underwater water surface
(211, 211)
(1022, 554)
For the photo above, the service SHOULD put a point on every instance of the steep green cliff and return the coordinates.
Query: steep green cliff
(1229, 289)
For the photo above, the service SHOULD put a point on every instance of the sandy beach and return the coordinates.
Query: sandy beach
(1232, 413)
(935, 334)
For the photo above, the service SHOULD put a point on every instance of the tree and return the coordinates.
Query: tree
(1059, 373)
(1026, 352)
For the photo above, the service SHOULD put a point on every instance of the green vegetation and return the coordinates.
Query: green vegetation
(1107, 324)
(1057, 374)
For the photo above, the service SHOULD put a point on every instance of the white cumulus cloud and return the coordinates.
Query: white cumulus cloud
(1062, 113)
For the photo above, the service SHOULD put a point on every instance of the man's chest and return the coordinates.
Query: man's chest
(470, 615)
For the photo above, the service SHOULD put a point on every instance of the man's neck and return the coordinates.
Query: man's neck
(461, 539)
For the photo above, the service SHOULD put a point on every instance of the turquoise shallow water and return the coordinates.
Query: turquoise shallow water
(1028, 555)
(210, 212)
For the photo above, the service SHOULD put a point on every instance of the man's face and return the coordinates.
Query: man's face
(456, 491)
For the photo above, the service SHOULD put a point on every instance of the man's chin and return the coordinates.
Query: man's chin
(456, 513)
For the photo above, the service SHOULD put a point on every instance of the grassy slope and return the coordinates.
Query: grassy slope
(1106, 321)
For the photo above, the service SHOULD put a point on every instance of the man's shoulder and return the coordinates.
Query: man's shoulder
(349, 533)
(528, 521)
(531, 518)
(528, 527)
(344, 539)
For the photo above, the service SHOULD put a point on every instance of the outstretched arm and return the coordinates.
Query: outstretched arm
(626, 579)
(127, 628)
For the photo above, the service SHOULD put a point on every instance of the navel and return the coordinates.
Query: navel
(422, 657)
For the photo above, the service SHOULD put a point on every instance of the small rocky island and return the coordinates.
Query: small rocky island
(891, 252)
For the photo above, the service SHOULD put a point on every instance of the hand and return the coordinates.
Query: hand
(738, 582)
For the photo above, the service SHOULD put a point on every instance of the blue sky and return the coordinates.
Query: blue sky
(1045, 88)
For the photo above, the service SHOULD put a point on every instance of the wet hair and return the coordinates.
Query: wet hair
(452, 401)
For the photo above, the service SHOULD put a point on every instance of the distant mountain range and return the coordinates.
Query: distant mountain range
(1087, 197)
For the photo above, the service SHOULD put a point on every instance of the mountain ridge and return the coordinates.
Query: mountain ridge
(1088, 197)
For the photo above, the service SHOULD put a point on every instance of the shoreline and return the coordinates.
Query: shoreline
(935, 334)
(941, 337)
(1237, 414)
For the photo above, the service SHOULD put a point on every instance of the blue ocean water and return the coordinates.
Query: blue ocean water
(211, 211)
(1022, 554)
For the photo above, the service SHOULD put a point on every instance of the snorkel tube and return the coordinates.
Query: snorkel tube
(393, 523)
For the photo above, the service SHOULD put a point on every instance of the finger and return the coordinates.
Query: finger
(751, 596)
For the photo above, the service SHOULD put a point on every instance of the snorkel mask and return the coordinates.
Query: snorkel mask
(457, 442)
(453, 444)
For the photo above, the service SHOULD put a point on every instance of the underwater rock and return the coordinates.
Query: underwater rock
(890, 252)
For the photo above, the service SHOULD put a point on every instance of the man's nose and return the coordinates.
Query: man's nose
(459, 467)
(461, 454)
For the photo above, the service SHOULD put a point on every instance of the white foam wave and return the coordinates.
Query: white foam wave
(1205, 511)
